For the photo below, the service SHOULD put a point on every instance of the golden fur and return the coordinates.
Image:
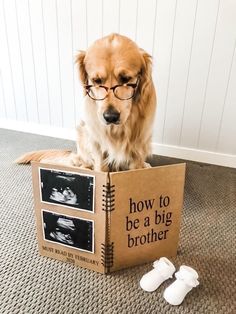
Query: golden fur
(114, 147)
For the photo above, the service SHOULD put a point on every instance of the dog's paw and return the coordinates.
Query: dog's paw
(147, 165)
(78, 162)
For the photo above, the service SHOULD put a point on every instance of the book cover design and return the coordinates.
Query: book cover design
(107, 221)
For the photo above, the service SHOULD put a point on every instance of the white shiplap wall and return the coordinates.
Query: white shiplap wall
(193, 45)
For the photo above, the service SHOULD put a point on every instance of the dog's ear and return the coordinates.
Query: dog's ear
(81, 66)
(145, 87)
(146, 70)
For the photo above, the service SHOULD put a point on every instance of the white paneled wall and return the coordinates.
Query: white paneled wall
(193, 44)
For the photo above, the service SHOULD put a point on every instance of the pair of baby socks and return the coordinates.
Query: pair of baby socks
(186, 279)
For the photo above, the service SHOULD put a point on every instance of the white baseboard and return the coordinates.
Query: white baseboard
(193, 154)
(216, 158)
(40, 129)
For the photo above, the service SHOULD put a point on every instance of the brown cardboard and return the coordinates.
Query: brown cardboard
(148, 207)
(59, 251)
(136, 215)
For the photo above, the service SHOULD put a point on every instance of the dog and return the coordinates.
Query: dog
(119, 108)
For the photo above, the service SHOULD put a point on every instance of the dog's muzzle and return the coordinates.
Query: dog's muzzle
(111, 115)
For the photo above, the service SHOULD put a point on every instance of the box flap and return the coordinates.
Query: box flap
(145, 221)
(71, 222)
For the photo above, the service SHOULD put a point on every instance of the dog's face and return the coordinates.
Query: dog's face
(114, 62)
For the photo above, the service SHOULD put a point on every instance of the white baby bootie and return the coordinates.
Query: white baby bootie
(163, 269)
(186, 279)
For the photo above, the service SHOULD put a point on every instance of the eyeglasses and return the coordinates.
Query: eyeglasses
(122, 92)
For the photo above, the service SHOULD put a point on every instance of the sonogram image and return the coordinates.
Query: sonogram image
(69, 231)
(68, 189)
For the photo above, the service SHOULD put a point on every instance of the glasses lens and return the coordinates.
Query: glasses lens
(124, 92)
(97, 92)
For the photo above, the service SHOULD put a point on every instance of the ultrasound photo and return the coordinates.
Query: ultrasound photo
(68, 231)
(67, 189)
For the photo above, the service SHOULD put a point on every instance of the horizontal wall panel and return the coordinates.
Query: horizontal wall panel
(227, 129)
(39, 60)
(218, 75)
(94, 14)
(179, 65)
(6, 68)
(162, 56)
(195, 90)
(52, 55)
(66, 62)
(27, 58)
(3, 112)
(79, 42)
(128, 18)
(146, 17)
(110, 17)
(15, 56)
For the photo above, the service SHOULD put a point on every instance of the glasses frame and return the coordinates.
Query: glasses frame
(113, 88)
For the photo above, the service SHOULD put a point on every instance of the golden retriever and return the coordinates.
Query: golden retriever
(119, 109)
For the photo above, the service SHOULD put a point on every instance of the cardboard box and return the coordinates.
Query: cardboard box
(108, 221)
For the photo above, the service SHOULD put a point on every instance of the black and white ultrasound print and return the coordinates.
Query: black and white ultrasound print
(67, 189)
(68, 231)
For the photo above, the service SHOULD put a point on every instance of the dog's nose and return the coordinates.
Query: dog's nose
(111, 116)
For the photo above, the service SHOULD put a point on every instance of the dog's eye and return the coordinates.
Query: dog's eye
(97, 81)
(124, 79)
